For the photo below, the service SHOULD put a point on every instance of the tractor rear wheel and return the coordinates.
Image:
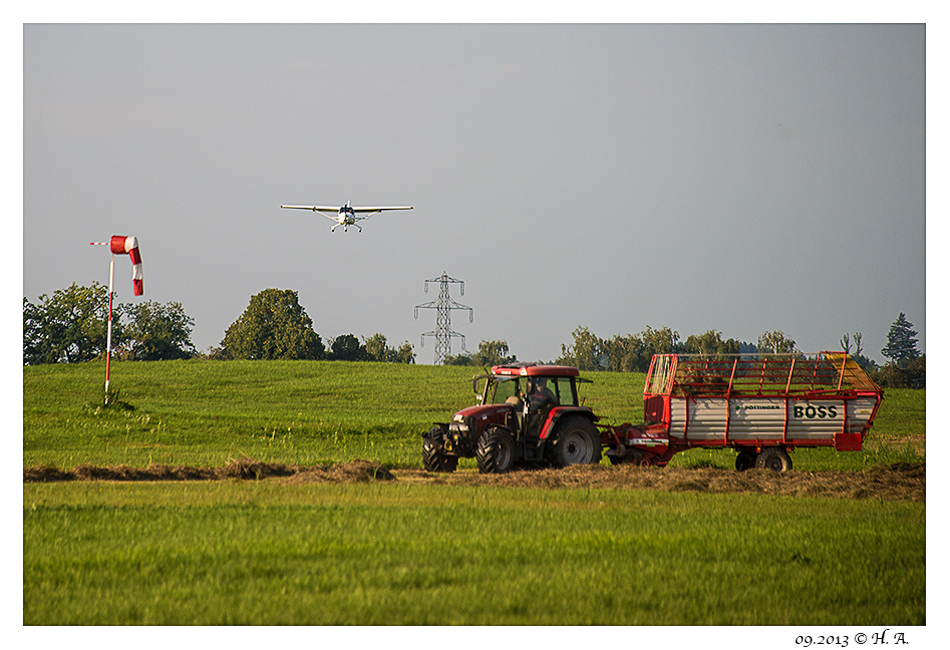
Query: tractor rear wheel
(434, 458)
(775, 459)
(495, 453)
(577, 443)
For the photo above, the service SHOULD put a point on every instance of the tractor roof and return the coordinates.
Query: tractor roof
(535, 370)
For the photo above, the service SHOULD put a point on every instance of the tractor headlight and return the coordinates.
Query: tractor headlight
(459, 427)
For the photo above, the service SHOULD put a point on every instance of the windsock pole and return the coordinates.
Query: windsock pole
(124, 245)
(109, 327)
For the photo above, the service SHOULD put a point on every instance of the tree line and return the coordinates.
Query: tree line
(71, 326)
(276, 326)
(906, 367)
(626, 353)
(633, 352)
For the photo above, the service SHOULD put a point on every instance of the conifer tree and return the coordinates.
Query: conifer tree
(901, 345)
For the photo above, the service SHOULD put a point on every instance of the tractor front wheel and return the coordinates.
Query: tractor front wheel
(577, 443)
(434, 458)
(495, 453)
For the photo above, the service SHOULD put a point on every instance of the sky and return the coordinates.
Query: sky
(741, 178)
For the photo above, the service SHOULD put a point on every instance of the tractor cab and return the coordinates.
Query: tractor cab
(531, 391)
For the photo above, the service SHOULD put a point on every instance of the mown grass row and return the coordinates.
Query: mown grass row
(392, 554)
(206, 413)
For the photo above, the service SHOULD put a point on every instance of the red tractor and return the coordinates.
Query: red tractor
(527, 413)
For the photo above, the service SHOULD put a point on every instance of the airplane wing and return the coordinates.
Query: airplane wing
(316, 208)
(381, 209)
(369, 212)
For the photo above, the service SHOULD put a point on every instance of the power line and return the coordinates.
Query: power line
(443, 321)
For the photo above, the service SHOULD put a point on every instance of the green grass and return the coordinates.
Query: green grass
(266, 553)
(206, 413)
(263, 552)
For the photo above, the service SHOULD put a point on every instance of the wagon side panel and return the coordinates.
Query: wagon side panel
(757, 419)
(815, 420)
(678, 420)
(860, 411)
(707, 420)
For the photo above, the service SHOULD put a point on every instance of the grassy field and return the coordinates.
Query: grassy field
(266, 552)
(206, 413)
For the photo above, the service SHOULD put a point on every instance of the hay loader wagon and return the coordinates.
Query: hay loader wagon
(763, 406)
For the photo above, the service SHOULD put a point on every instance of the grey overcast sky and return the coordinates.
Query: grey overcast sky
(742, 178)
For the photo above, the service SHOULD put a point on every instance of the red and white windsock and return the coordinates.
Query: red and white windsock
(122, 245)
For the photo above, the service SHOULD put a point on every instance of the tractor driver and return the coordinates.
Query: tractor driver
(541, 396)
(540, 400)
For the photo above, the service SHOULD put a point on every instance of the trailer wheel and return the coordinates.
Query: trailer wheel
(775, 459)
(495, 453)
(577, 443)
(745, 460)
(434, 459)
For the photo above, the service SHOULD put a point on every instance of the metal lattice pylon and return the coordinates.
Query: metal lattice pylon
(443, 321)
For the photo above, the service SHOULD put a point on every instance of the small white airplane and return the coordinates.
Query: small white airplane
(347, 215)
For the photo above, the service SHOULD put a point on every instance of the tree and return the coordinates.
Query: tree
(405, 354)
(587, 353)
(747, 348)
(346, 347)
(621, 353)
(776, 342)
(916, 372)
(901, 345)
(33, 340)
(624, 353)
(863, 361)
(463, 358)
(711, 344)
(69, 327)
(846, 344)
(375, 349)
(912, 375)
(493, 353)
(72, 326)
(490, 353)
(157, 332)
(274, 326)
(659, 341)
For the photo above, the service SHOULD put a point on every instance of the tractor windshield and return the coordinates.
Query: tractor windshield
(500, 389)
